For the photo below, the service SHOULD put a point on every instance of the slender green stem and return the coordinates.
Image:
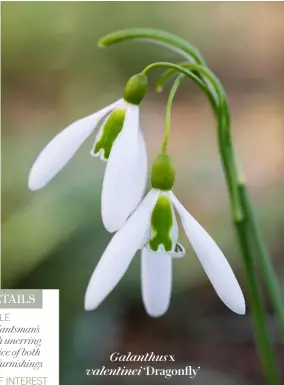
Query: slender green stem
(191, 73)
(167, 74)
(168, 113)
(260, 328)
(266, 267)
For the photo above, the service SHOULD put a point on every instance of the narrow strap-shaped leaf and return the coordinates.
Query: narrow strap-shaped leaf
(155, 36)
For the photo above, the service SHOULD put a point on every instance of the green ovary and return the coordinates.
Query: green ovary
(161, 224)
(111, 129)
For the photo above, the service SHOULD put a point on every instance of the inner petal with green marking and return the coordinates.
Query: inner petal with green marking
(161, 224)
(109, 132)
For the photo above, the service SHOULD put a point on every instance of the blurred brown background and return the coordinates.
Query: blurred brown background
(52, 74)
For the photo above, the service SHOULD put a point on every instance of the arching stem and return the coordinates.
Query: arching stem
(168, 113)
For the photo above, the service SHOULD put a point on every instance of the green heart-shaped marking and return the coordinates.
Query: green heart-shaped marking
(110, 131)
(161, 224)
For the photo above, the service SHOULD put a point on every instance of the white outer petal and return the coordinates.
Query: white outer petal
(119, 252)
(213, 261)
(156, 279)
(62, 147)
(141, 182)
(126, 173)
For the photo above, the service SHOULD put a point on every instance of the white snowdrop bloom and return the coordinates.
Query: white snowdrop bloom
(119, 142)
(153, 229)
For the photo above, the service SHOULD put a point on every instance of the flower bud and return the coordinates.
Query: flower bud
(135, 89)
(163, 173)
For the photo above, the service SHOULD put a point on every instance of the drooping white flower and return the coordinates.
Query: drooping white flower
(153, 229)
(119, 142)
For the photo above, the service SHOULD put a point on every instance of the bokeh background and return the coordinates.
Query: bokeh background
(52, 74)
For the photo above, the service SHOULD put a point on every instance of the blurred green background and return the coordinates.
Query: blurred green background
(52, 74)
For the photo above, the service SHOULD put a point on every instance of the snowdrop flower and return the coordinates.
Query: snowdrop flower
(119, 142)
(153, 229)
